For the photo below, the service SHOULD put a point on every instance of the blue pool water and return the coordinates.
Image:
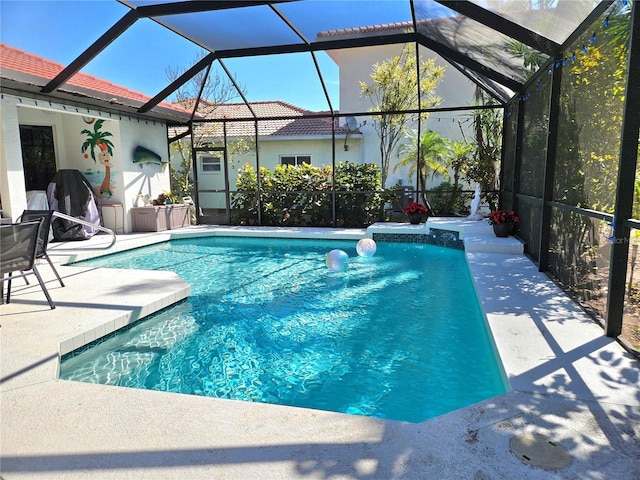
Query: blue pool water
(399, 335)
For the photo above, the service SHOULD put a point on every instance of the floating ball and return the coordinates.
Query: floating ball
(366, 247)
(337, 260)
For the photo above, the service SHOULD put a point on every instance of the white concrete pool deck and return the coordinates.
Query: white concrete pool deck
(568, 382)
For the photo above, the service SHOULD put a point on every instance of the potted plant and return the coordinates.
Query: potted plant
(416, 212)
(168, 212)
(160, 199)
(504, 222)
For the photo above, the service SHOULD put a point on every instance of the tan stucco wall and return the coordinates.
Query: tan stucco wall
(356, 65)
(270, 151)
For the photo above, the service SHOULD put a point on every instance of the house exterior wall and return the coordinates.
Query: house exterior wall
(12, 186)
(147, 179)
(319, 149)
(355, 66)
(126, 178)
(270, 151)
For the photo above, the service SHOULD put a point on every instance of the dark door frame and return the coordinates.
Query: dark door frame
(206, 219)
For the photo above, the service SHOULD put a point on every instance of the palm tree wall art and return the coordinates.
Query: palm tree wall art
(97, 139)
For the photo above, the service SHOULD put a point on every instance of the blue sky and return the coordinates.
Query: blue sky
(60, 30)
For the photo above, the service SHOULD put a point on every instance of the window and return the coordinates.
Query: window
(295, 159)
(211, 164)
(38, 156)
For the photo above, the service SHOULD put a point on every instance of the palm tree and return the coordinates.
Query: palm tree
(394, 87)
(96, 138)
(484, 168)
(434, 152)
(460, 154)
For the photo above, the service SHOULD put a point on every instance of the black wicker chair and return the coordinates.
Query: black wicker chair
(18, 246)
(43, 240)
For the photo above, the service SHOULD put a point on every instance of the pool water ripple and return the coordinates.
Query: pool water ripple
(399, 335)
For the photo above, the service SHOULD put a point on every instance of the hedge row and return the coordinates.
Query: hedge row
(302, 195)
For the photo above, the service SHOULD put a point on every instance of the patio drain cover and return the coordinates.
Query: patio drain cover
(539, 451)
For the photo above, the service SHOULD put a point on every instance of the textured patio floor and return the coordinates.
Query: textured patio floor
(569, 383)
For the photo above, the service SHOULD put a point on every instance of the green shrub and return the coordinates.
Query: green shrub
(445, 200)
(302, 195)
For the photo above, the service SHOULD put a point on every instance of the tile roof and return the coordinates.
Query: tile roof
(37, 70)
(265, 109)
(358, 32)
(295, 121)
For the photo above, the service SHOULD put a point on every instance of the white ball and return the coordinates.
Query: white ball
(337, 260)
(366, 247)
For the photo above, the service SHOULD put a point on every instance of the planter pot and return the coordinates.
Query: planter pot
(503, 229)
(160, 217)
(415, 218)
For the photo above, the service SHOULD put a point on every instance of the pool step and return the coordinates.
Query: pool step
(478, 236)
(489, 243)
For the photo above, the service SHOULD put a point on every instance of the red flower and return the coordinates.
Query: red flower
(503, 216)
(415, 207)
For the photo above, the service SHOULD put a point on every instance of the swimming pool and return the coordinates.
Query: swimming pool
(399, 335)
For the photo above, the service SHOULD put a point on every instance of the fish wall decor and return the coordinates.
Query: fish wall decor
(144, 156)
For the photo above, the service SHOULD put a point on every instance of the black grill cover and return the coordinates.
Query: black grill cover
(70, 193)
